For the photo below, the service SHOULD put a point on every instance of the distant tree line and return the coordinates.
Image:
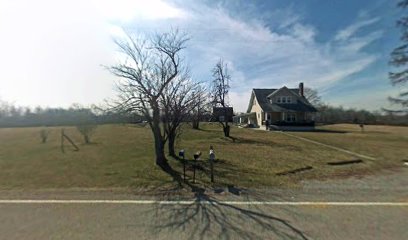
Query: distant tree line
(13, 116)
(329, 115)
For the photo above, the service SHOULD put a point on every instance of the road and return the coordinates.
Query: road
(263, 214)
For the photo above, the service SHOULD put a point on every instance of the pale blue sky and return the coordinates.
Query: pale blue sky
(51, 52)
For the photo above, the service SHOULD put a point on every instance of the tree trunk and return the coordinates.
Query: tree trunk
(158, 139)
(196, 124)
(160, 157)
(226, 129)
(172, 140)
(86, 138)
(159, 147)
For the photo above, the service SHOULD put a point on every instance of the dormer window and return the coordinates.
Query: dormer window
(284, 99)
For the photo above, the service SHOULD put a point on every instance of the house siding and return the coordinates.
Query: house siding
(258, 110)
(298, 106)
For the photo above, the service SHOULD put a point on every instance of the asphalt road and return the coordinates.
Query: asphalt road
(214, 218)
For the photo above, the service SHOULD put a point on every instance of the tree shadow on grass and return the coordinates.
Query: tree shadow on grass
(263, 142)
(224, 171)
(209, 130)
(327, 131)
(206, 217)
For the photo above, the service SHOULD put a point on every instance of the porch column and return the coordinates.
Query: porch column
(283, 116)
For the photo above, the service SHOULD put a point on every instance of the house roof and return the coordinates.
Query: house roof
(262, 94)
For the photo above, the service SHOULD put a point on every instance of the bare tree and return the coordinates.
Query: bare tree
(87, 130)
(219, 92)
(201, 106)
(148, 69)
(84, 120)
(178, 101)
(399, 59)
(313, 97)
(44, 134)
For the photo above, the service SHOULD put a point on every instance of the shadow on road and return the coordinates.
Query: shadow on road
(207, 217)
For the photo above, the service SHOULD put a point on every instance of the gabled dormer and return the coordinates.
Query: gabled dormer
(283, 95)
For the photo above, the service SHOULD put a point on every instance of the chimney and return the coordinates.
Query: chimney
(301, 89)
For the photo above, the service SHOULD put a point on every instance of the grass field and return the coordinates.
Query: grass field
(388, 144)
(121, 156)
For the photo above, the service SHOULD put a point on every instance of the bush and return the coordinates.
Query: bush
(44, 135)
(87, 130)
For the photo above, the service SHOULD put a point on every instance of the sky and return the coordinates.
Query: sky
(53, 53)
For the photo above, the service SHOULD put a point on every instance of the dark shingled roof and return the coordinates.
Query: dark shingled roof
(301, 106)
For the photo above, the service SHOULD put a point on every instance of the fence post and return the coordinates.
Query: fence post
(62, 140)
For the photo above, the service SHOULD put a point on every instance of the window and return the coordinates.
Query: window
(291, 117)
(284, 99)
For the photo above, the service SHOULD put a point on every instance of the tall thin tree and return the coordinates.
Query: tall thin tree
(201, 106)
(399, 59)
(219, 92)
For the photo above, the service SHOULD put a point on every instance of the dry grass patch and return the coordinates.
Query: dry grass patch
(121, 156)
(388, 144)
(253, 158)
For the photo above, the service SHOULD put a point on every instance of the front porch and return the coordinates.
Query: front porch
(277, 120)
(246, 119)
(289, 121)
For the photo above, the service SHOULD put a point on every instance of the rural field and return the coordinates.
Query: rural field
(121, 156)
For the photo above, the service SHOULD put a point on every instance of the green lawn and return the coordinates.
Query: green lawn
(121, 156)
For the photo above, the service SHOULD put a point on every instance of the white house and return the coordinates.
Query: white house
(283, 108)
